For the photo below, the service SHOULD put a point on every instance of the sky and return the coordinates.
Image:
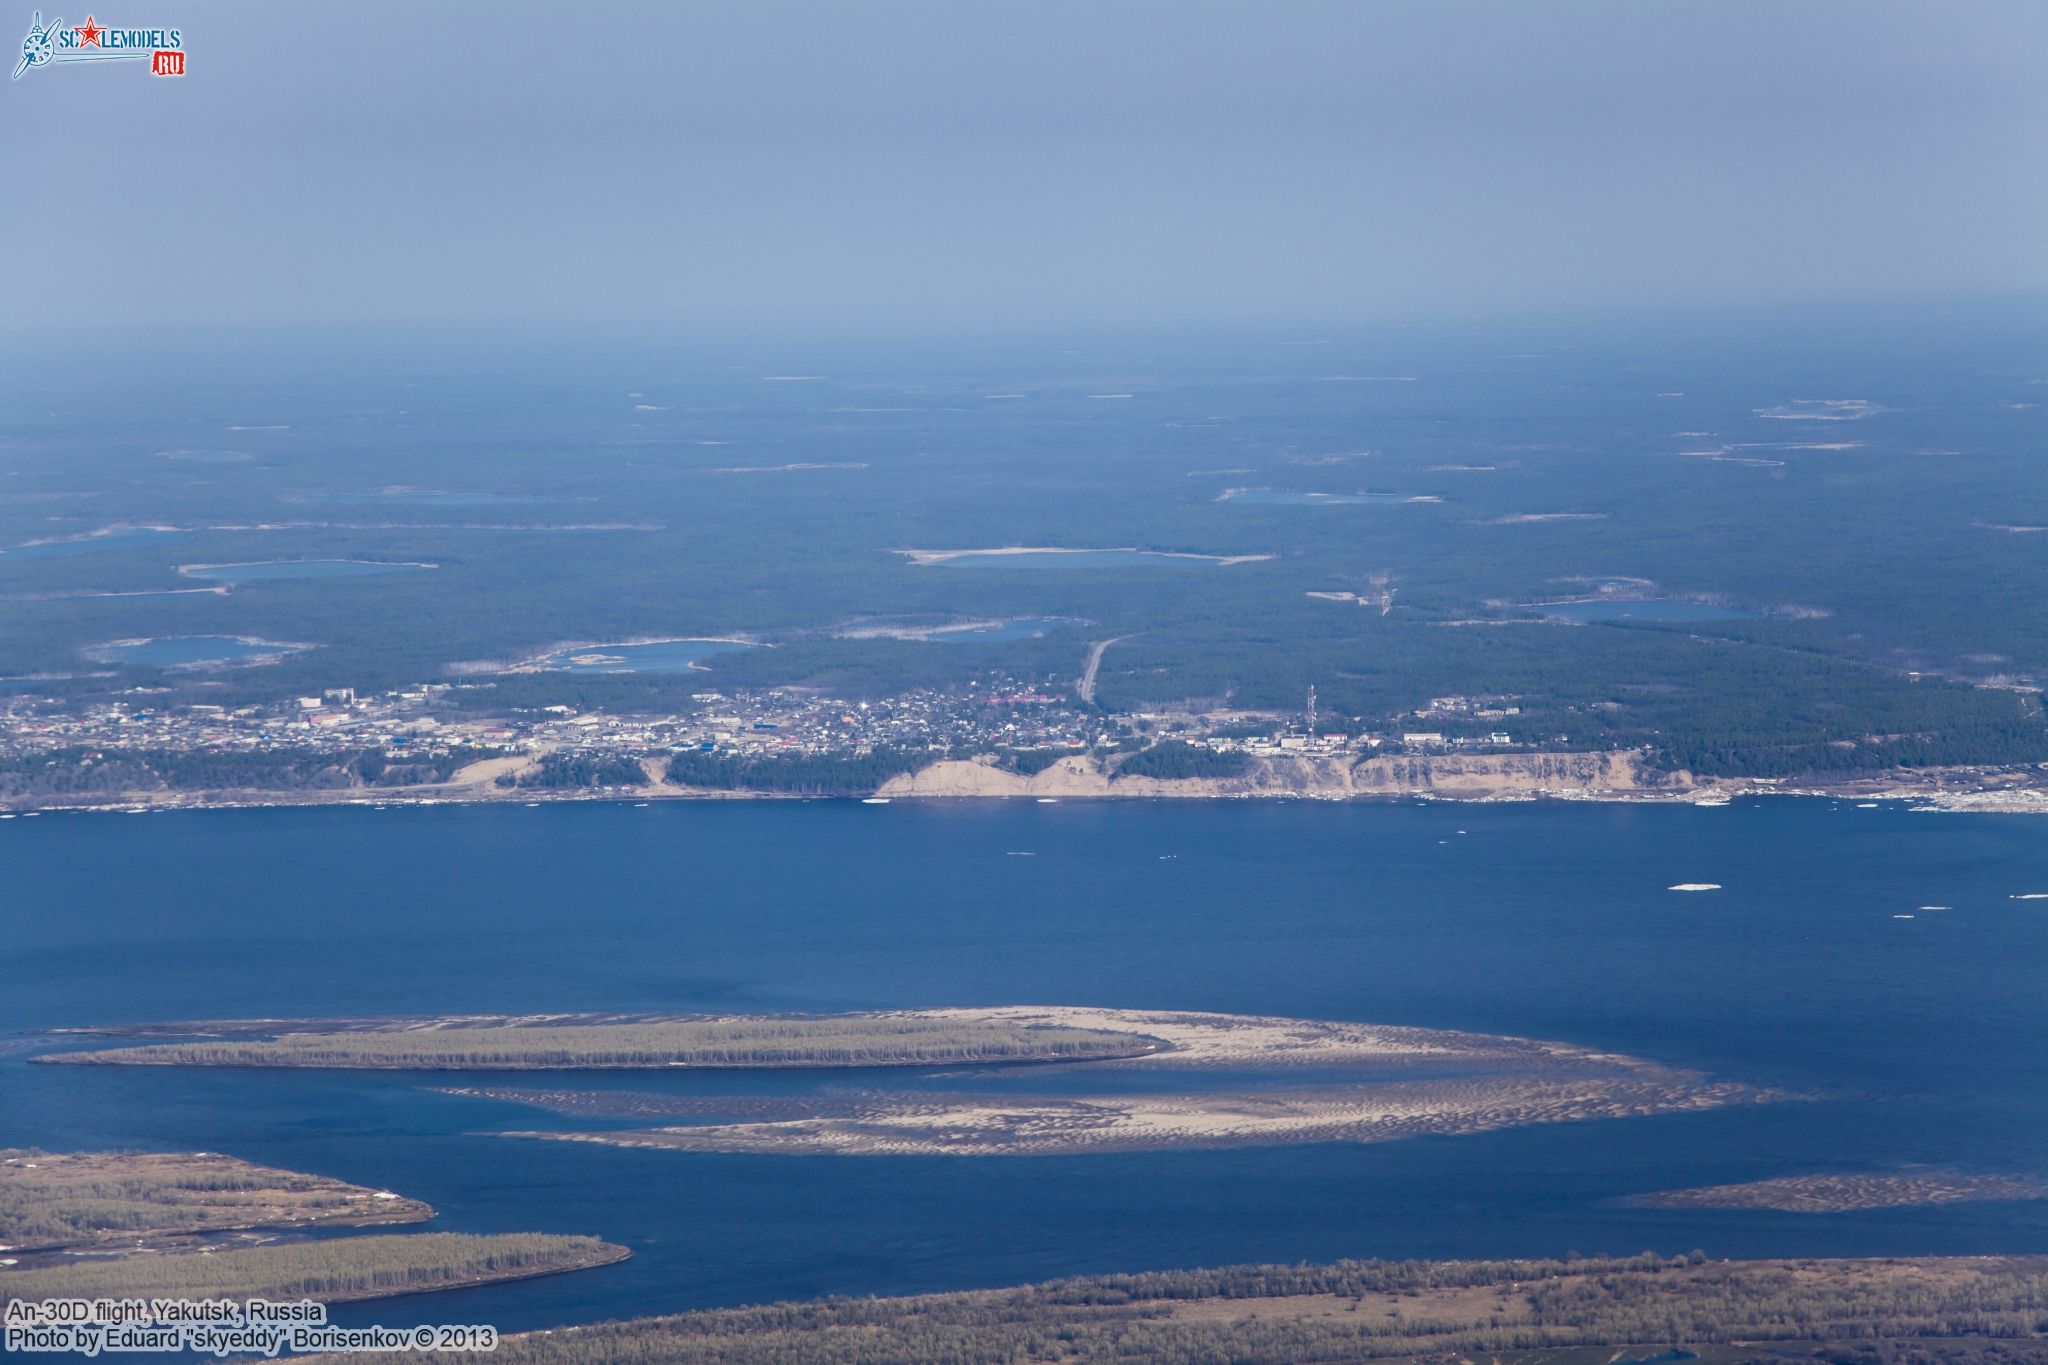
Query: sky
(947, 163)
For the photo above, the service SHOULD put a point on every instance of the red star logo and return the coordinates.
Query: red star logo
(88, 33)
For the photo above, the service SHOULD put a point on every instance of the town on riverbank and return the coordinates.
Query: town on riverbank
(991, 736)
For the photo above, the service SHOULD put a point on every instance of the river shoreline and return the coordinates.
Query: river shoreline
(140, 803)
(1984, 791)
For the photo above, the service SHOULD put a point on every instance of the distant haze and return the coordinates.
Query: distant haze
(956, 162)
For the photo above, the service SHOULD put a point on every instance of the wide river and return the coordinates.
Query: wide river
(1920, 1041)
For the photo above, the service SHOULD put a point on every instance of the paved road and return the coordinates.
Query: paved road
(1095, 653)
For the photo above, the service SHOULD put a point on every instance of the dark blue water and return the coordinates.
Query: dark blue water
(1924, 1040)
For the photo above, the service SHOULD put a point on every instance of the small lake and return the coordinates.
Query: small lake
(266, 570)
(85, 545)
(192, 651)
(654, 656)
(416, 498)
(1025, 628)
(981, 632)
(1281, 497)
(1076, 559)
(1649, 609)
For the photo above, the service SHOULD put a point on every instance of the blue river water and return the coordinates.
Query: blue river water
(1920, 1041)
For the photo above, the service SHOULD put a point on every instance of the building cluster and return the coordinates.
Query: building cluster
(405, 722)
(1462, 711)
(990, 713)
(987, 714)
(994, 713)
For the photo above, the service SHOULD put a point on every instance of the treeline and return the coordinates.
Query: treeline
(332, 1270)
(1746, 750)
(1769, 699)
(290, 769)
(1175, 759)
(1394, 1310)
(805, 774)
(559, 770)
(83, 771)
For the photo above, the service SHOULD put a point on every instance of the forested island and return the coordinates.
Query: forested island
(736, 1042)
(1364, 1083)
(76, 1200)
(332, 1271)
(207, 1225)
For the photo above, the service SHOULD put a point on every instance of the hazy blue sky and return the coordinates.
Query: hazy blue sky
(973, 161)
